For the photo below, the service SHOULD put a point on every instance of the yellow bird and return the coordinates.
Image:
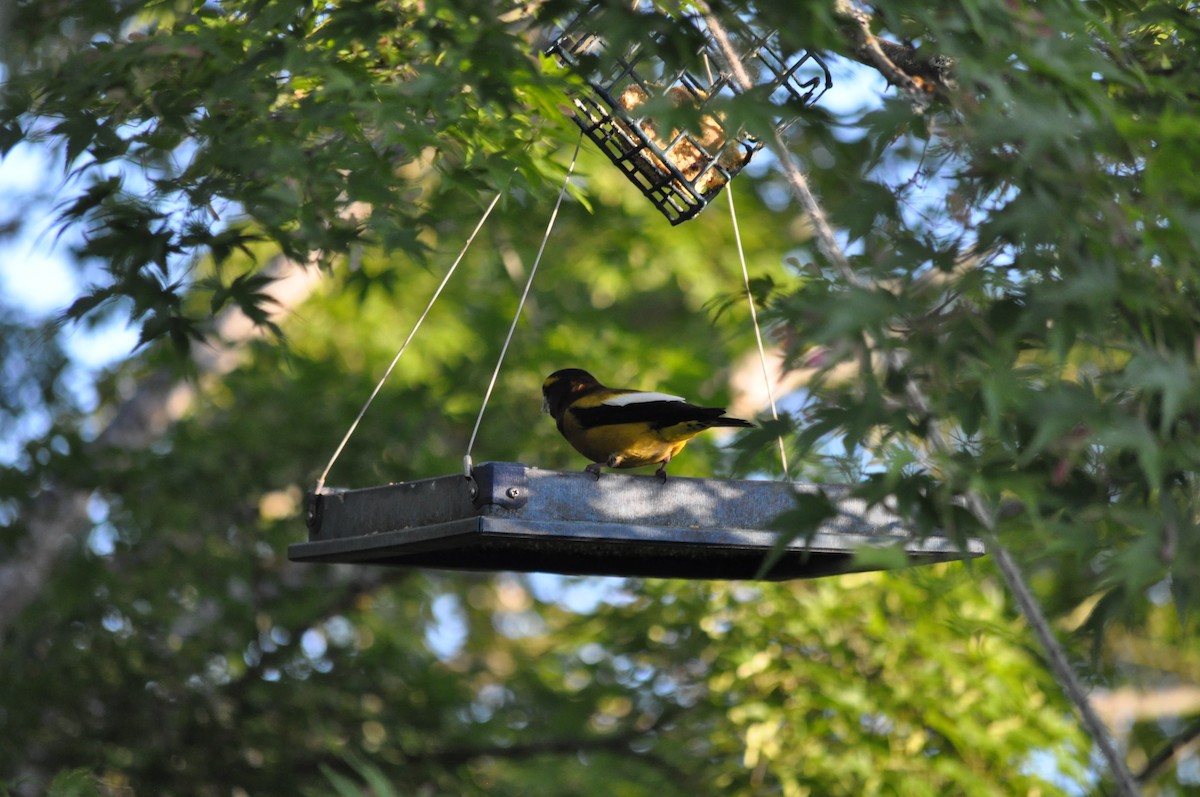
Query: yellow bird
(619, 428)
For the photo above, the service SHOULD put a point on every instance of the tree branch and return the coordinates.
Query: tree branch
(922, 79)
(1014, 579)
(617, 744)
(455, 756)
(826, 241)
(1059, 665)
(1164, 759)
(55, 518)
(938, 439)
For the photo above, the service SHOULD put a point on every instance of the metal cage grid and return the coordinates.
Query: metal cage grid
(680, 171)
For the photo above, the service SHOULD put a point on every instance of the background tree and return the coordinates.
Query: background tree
(1007, 313)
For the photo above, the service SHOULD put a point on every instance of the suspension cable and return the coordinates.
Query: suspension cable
(762, 355)
(470, 239)
(467, 463)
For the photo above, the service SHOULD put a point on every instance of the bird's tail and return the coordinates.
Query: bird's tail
(738, 422)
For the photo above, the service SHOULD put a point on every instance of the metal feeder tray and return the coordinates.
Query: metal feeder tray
(510, 517)
(679, 171)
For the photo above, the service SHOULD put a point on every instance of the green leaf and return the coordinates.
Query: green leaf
(86, 304)
(812, 509)
(1171, 378)
(887, 557)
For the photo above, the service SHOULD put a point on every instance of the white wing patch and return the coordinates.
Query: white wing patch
(626, 399)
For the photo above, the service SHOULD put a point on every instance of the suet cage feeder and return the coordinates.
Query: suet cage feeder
(510, 517)
(680, 171)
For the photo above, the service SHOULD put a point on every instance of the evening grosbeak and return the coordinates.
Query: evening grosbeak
(618, 428)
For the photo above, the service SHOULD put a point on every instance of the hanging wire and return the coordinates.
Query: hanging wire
(416, 326)
(467, 463)
(762, 355)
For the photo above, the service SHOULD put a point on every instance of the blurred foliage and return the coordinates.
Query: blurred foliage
(1026, 257)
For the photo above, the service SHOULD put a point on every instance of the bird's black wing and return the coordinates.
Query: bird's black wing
(657, 414)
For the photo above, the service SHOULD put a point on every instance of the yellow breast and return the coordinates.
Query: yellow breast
(633, 444)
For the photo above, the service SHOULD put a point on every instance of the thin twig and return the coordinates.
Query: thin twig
(1174, 750)
(1009, 569)
(826, 241)
(1014, 579)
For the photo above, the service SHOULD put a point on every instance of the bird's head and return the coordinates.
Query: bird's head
(561, 388)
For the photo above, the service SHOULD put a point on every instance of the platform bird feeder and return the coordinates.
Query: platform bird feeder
(630, 84)
(510, 517)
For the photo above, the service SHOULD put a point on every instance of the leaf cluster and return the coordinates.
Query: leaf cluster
(189, 132)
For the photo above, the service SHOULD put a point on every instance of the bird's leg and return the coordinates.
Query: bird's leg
(662, 470)
(614, 461)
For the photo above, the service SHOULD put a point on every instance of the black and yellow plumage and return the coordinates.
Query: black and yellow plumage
(620, 428)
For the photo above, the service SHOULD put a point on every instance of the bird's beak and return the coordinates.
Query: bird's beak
(546, 405)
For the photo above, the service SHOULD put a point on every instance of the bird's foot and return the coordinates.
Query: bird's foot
(594, 469)
(662, 472)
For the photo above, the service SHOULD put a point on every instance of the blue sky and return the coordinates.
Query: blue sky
(36, 272)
